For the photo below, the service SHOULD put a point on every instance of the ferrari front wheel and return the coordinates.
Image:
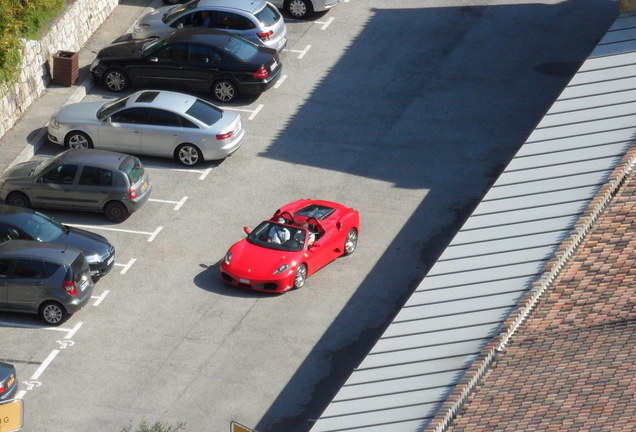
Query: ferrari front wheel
(300, 277)
(351, 241)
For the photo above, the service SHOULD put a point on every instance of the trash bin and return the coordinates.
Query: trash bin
(65, 67)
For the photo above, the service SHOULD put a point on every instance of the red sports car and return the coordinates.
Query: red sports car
(298, 240)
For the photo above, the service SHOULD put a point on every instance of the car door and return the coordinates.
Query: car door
(204, 65)
(162, 67)
(162, 133)
(234, 23)
(122, 131)
(324, 248)
(27, 285)
(6, 267)
(94, 187)
(56, 187)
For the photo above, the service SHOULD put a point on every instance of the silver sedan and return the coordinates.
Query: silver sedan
(150, 122)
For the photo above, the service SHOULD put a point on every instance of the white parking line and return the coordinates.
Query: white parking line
(100, 298)
(325, 24)
(256, 111)
(204, 173)
(151, 234)
(126, 266)
(72, 331)
(178, 203)
(280, 81)
(47, 361)
(301, 53)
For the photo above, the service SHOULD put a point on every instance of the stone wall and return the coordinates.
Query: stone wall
(68, 32)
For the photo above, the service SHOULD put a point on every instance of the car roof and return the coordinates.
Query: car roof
(202, 35)
(97, 158)
(167, 100)
(45, 251)
(251, 6)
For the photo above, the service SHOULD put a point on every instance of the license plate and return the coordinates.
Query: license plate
(245, 281)
(110, 260)
(274, 65)
(11, 380)
(144, 186)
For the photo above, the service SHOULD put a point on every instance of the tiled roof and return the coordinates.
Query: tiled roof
(572, 365)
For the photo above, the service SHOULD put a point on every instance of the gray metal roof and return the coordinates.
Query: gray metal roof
(501, 249)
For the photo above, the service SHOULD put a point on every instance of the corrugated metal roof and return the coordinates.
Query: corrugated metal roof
(500, 250)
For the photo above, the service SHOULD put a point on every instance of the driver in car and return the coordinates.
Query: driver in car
(278, 234)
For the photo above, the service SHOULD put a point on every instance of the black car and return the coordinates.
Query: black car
(8, 381)
(197, 59)
(27, 224)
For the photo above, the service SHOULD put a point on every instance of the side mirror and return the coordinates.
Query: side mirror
(247, 230)
(180, 26)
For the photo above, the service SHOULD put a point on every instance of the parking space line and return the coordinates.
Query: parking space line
(151, 234)
(72, 331)
(204, 173)
(178, 203)
(252, 112)
(256, 111)
(325, 24)
(100, 298)
(301, 53)
(126, 266)
(47, 361)
(280, 81)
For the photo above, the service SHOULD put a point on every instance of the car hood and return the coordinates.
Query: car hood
(20, 171)
(88, 242)
(154, 18)
(127, 50)
(78, 112)
(259, 262)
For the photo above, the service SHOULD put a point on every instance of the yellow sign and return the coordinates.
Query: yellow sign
(234, 427)
(11, 415)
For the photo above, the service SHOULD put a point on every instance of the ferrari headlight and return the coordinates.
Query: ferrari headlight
(281, 268)
(228, 257)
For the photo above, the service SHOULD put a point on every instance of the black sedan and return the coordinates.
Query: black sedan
(8, 382)
(27, 224)
(197, 59)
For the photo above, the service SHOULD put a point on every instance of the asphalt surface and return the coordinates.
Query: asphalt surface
(405, 110)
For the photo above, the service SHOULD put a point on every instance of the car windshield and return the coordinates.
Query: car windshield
(110, 107)
(44, 165)
(268, 15)
(319, 212)
(241, 48)
(276, 236)
(205, 112)
(175, 12)
(152, 45)
(43, 228)
(133, 169)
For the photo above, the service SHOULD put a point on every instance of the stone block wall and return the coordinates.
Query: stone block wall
(68, 32)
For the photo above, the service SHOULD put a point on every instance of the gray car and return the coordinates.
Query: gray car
(255, 20)
(86, 180)
(302, 9)
(150, 122)
(49, 280)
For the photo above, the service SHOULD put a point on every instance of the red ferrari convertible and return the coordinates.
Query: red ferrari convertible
(298, 240)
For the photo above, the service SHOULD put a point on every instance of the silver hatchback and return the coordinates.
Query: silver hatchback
(153, 123)
(255, 20)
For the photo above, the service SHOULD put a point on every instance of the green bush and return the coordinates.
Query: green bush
(22, 19)
(156, 427)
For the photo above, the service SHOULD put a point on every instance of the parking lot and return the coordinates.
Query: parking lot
(404, 110)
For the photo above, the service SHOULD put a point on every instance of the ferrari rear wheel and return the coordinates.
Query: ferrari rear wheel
(300, 277)
(351, 241)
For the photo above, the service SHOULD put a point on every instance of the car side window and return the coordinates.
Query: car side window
(50, 268)
(232, 21)
(93, 176)
(187, 123)
(177, 52)
(203, 54)
(5, 268)
(158, 117)
(61, 174)
(28, 269)
(9, 233)
(131, 115)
